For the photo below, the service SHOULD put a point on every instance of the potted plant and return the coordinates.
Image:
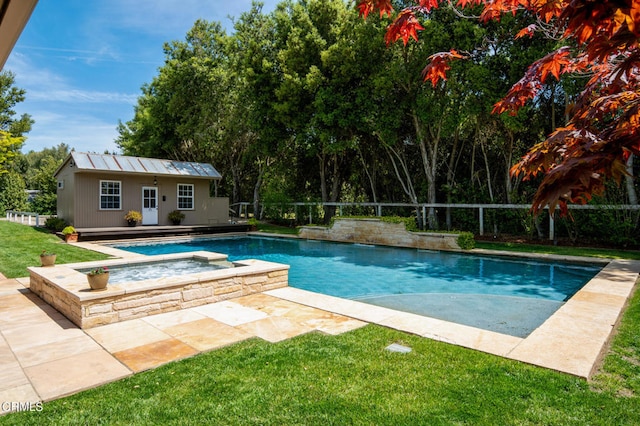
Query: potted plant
(70, 234)
(133, 217)
(98, 278)
(47, 258)
(176, 217)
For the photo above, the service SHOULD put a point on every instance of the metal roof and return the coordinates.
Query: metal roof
(154, 166)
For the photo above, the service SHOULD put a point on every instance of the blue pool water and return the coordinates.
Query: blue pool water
(505, 295)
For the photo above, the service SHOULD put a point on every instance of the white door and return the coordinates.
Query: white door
(149, 205)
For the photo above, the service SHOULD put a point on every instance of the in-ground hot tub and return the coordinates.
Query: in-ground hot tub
(151, 285)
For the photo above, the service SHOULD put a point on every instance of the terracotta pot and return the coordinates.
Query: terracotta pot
(98, 281)
(71, 238)
(48, 260)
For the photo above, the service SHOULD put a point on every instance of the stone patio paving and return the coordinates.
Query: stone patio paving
(43, 356)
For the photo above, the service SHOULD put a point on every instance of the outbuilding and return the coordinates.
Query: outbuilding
(97, 191)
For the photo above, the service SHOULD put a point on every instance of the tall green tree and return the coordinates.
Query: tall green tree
(13, 195)
(325, 89)
(12, 128)
(45, 202)
(178, 115)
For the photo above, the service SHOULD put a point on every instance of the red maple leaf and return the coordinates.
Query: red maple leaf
(429, 4)
(554, 63)
(546, 9)
(438, 66)
(528, 30)
(367, 6)
(404, 26)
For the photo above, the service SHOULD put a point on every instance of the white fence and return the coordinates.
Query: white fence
(26, 218)
(307, 210)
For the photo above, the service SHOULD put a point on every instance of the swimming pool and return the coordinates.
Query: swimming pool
(506, 295)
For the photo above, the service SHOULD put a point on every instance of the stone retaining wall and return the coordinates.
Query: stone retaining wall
(376, 231)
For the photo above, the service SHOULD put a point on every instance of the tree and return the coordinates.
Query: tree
(29, 164)
(44, 181)
(9, 147)
(325, 87)
(13, 195)
(599, 39)
(178, 115)
(12, 129)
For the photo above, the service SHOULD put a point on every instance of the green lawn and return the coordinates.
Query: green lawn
(350, 379)
(276, 229)
(21, 245)
(560, 250)
(318, 379)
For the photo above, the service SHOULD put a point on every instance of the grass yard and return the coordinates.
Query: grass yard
(560, 250)
(21, 245)
(351, 379)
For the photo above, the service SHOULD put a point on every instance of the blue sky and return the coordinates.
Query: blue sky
(82, 62)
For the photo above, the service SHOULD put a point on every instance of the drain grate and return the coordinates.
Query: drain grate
(394, 347)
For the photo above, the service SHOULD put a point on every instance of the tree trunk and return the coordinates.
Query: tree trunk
(404, 177)
(429, 155)
(331, 194)
(508, 157)
(631, 189)
(370, 178)
(487, 169)
(452, 165)
(262, 168)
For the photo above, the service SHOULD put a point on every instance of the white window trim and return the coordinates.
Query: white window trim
(100, 195)
(193, 196)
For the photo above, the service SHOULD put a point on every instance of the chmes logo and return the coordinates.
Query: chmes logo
(7, 406)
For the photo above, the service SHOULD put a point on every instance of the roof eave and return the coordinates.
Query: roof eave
(14, 15)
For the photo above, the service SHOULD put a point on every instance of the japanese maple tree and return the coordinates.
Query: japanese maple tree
(600, 40)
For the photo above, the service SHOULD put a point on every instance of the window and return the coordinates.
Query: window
(110, 195)
(185, 197)
(61, 184)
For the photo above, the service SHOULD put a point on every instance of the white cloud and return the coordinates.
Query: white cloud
(81, 132)
(83, 119)
(30, 76)
(76, 95)
(43, 84)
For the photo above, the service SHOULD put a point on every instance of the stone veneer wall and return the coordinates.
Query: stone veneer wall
(93, 309)
(375, 231)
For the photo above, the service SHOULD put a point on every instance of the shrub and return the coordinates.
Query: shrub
(466, 241)
(409, 222)
(176, 216)
(55, 224)
(133, 216)
(69, 230)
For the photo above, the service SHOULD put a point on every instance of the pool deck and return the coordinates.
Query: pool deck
(43, 356)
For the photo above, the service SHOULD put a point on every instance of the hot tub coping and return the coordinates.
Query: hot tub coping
(75, 283)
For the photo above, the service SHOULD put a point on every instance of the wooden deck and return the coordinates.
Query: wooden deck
(128, 232)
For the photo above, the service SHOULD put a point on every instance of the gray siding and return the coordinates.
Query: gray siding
(66, 194)
(86, 212)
